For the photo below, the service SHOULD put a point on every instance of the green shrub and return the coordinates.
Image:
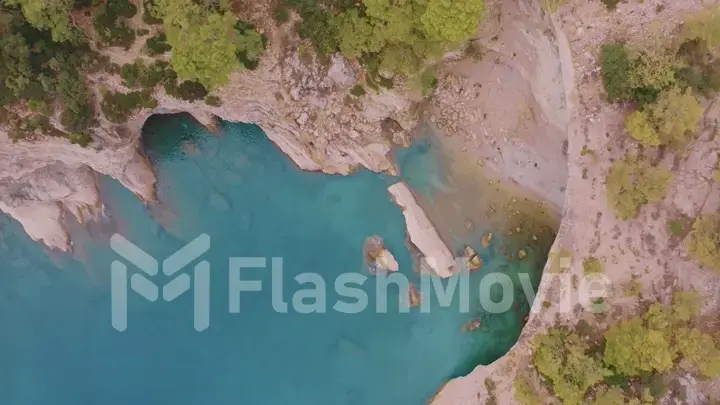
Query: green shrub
(82, 139)
(592, 265)
(638, 126)
(142, 32)
(137, 74)
(282, 15)
(524, 392)
(676, 227)
(112, 30)
(700, 349)
(632, 182)
(675, 116)
(428, 81)
(40, 106)
(358, 90)
(616, 68)
(149, 15)
(563, 358)
(611, 4)
(704, 242)
(631, 348)
(608, 396)
(213, 101)
(701, 70)
(118, 107)
(157, 45)
(704, 25)
(187, 90)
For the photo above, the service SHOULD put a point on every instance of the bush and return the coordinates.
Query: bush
(82, 139)
(149, 15)
(562, 357)
(632, 182)
(676, 227)
(118, 107)
(616, 68)
(704, 242)
(700, 349)
(702, 70)
(675, 116)
(641, 130)
(631, 348)
(524, 392)
(358, 90)
(705, 26)
(611, 4)
(428, 82)
(592, 265)
(608, 396)
(142, 32)
(139, 75)
(113, 31)
(282, 15)
(213, 101)
(157, 45)
(187, 90)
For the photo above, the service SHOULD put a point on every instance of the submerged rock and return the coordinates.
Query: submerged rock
(521, 254)
(487, 239)
(414, 297)
(472, 325)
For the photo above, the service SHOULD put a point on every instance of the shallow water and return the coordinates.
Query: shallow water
(57, 344)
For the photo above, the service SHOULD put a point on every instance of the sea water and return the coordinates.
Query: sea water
(58, 345)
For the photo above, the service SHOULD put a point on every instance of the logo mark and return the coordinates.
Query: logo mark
(141, 284)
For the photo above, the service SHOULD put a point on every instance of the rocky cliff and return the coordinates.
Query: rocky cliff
(303, 105)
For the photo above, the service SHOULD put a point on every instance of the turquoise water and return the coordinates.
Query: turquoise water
(57, 345)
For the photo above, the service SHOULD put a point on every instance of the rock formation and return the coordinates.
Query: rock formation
(422, 233)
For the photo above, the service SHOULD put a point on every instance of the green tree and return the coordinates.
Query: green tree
(638, 126)
(52, 15)
(608, 396)
(358, 35)
(15, 66)
(632, 182)
(700, 349)
(562, 357)
(705, 25)
(686, 305)
(675, 115)
(631, 348)
(250, 43)
(704, 242)
(205, 51)
(452, 21)
(616, 68)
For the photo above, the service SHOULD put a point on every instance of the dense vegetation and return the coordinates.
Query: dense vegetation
(662, 82)
(627, 363)
(388, 37)
(633, 182)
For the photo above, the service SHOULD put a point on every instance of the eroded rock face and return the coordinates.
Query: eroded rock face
(302, 105)
(506, 103)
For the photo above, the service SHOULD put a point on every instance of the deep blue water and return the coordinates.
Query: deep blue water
(57, 345)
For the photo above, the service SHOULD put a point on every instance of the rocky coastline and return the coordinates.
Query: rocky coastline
(520, 110)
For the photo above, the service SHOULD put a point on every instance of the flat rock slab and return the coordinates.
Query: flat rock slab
(422, 232)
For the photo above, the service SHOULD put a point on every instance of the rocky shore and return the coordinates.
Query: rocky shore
(520, 108)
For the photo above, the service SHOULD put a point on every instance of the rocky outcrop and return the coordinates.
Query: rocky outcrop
(302, 105)
(421, 232)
